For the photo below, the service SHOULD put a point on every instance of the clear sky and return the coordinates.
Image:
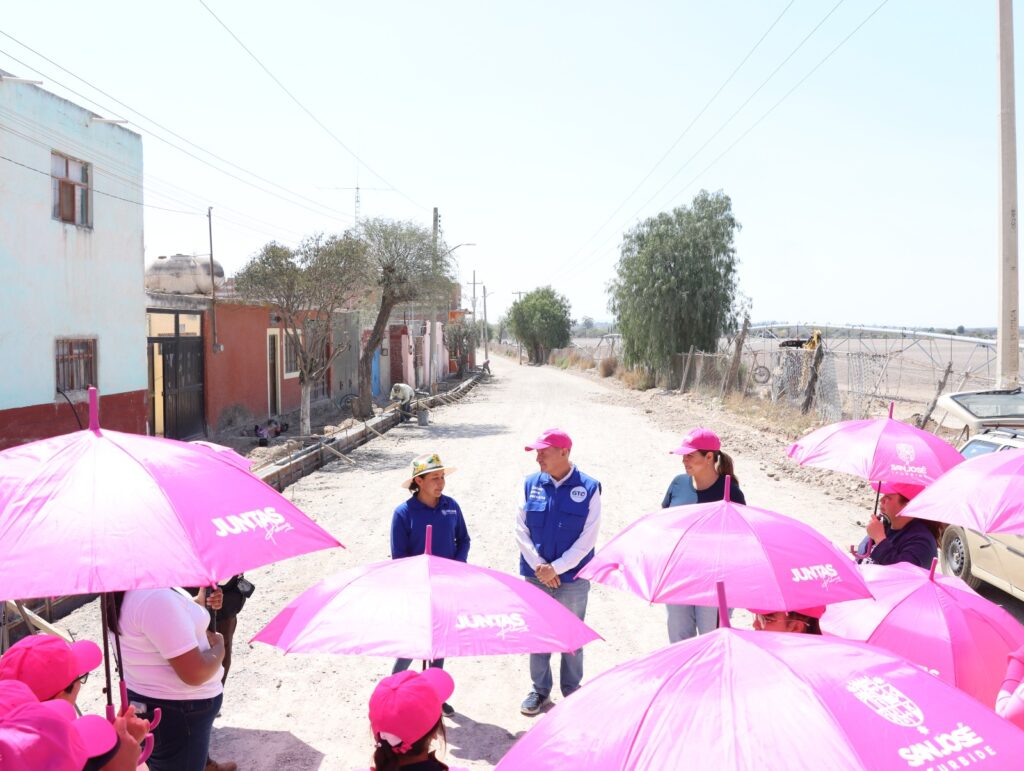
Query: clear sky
(868, 195)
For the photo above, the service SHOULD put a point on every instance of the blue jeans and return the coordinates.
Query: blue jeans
(403, 664)
(572, 595)
(182, 740)
(686, 621)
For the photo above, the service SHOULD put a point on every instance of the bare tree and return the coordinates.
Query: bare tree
(306, 286)
(404, 265)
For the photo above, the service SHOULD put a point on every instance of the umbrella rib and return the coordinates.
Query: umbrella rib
(163, 493)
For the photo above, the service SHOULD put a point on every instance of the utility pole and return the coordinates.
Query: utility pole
(431, 364)
(519, 296)
(1008, 331)
(487, 329)
(215, 344)
(474, 296)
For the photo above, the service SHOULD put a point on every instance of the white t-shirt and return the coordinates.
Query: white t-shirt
(157, 625)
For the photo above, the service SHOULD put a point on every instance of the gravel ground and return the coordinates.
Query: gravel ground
(306, 712)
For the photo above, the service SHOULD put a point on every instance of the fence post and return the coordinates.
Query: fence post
(812, 380)
(734, 369)
(686, 370)
(931, 405)
(700, 371)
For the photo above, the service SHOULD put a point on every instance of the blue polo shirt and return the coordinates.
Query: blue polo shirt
(449, 536)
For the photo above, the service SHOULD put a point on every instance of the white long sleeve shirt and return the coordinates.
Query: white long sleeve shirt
(572, 556)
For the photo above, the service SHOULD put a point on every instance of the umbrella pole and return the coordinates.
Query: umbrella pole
(931, 573)
(122, 685)
(105, 623)
(723, 607)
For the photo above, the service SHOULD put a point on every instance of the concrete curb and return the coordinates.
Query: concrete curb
(290, 469)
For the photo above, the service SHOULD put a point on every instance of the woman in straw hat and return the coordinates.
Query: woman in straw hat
(428, 506)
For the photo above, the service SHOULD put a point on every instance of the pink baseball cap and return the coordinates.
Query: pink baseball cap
(47, 664)
(405, 706)
(48, 734)
(816, 612)
(898, 488)
(553, 437)
(699, 439)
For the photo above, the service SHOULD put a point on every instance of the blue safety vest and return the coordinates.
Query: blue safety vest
(555, 516)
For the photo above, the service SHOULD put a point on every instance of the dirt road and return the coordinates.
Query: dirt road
(305, 712)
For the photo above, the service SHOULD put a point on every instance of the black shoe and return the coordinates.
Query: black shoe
(447, 709)
(533, 703)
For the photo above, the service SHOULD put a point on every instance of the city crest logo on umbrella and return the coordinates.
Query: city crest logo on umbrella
(960, 745)
(267, 519)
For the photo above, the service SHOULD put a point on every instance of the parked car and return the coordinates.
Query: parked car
(994, 422)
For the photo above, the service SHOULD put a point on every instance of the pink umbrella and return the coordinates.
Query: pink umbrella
(769, 560)
(770, 701)
(985, 493)
(936, 622)
(425, 607)
(878, 450)
(101, 511)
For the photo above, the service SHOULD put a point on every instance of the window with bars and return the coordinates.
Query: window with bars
(76, 364)
(70, 180)
(291, 357)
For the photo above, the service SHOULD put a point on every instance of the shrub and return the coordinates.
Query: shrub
(638, 379)
(608, 366)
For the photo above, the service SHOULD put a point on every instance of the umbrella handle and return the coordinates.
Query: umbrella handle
(931, 573)
(147, 748)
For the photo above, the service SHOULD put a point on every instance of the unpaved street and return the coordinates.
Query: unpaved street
(300, 712)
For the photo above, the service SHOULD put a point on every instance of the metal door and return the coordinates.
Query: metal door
(184, 416)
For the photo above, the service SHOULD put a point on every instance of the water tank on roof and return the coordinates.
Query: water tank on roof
(182, 274)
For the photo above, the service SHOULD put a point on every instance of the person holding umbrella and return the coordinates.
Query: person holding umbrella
(704, 482)
(898, 538)
(173, 662)
(428, 506)
(556, 529)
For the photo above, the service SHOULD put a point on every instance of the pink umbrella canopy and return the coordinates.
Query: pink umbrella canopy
(879, 450)
(770, 701)
(985, 493)
(425, 607)
(936, 622)
(767, 560)
(101, 511)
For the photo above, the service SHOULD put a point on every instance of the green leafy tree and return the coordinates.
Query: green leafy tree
(306, 286)
(404, 266)
(676, 282)
(460, 338)
(540, 321)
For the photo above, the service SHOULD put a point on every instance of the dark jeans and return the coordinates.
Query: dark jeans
(182, 739)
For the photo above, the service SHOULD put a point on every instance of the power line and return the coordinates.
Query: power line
(305, 109)
(685, 130)
(325, 211)
(71, 144)
(728, 120)
(100, 192)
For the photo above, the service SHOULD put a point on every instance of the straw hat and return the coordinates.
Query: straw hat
(425, 464)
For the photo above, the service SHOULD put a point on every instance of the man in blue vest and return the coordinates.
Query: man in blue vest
(559, 514)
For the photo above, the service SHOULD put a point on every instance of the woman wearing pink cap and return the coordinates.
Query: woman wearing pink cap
(405, 717)
(803, 621)
(704, 482)
(898, 538)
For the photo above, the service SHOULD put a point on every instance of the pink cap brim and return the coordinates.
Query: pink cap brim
(440, 682)
(684, 449)
(87, 656)
(98, 736)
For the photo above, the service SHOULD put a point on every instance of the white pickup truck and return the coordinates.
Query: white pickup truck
(994, 422)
